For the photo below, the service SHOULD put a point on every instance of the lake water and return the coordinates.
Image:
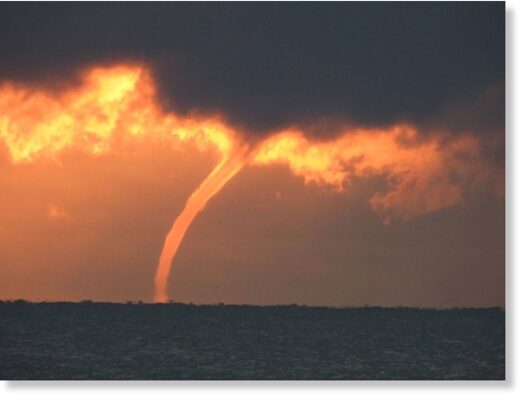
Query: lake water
(175, 341)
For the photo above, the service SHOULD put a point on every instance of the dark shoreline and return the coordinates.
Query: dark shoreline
(247, 305)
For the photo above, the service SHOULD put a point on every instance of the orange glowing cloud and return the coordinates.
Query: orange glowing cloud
(422, 175)
(112, 105)
(115, 105)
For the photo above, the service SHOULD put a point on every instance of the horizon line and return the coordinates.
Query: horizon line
(222, 304)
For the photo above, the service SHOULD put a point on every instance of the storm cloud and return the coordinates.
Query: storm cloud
(268, 65)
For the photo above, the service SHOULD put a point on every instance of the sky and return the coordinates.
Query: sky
(360, 146)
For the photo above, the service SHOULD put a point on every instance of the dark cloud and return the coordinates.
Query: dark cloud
(266, 65)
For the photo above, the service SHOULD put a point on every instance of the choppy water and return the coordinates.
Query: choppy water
(114, 341)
